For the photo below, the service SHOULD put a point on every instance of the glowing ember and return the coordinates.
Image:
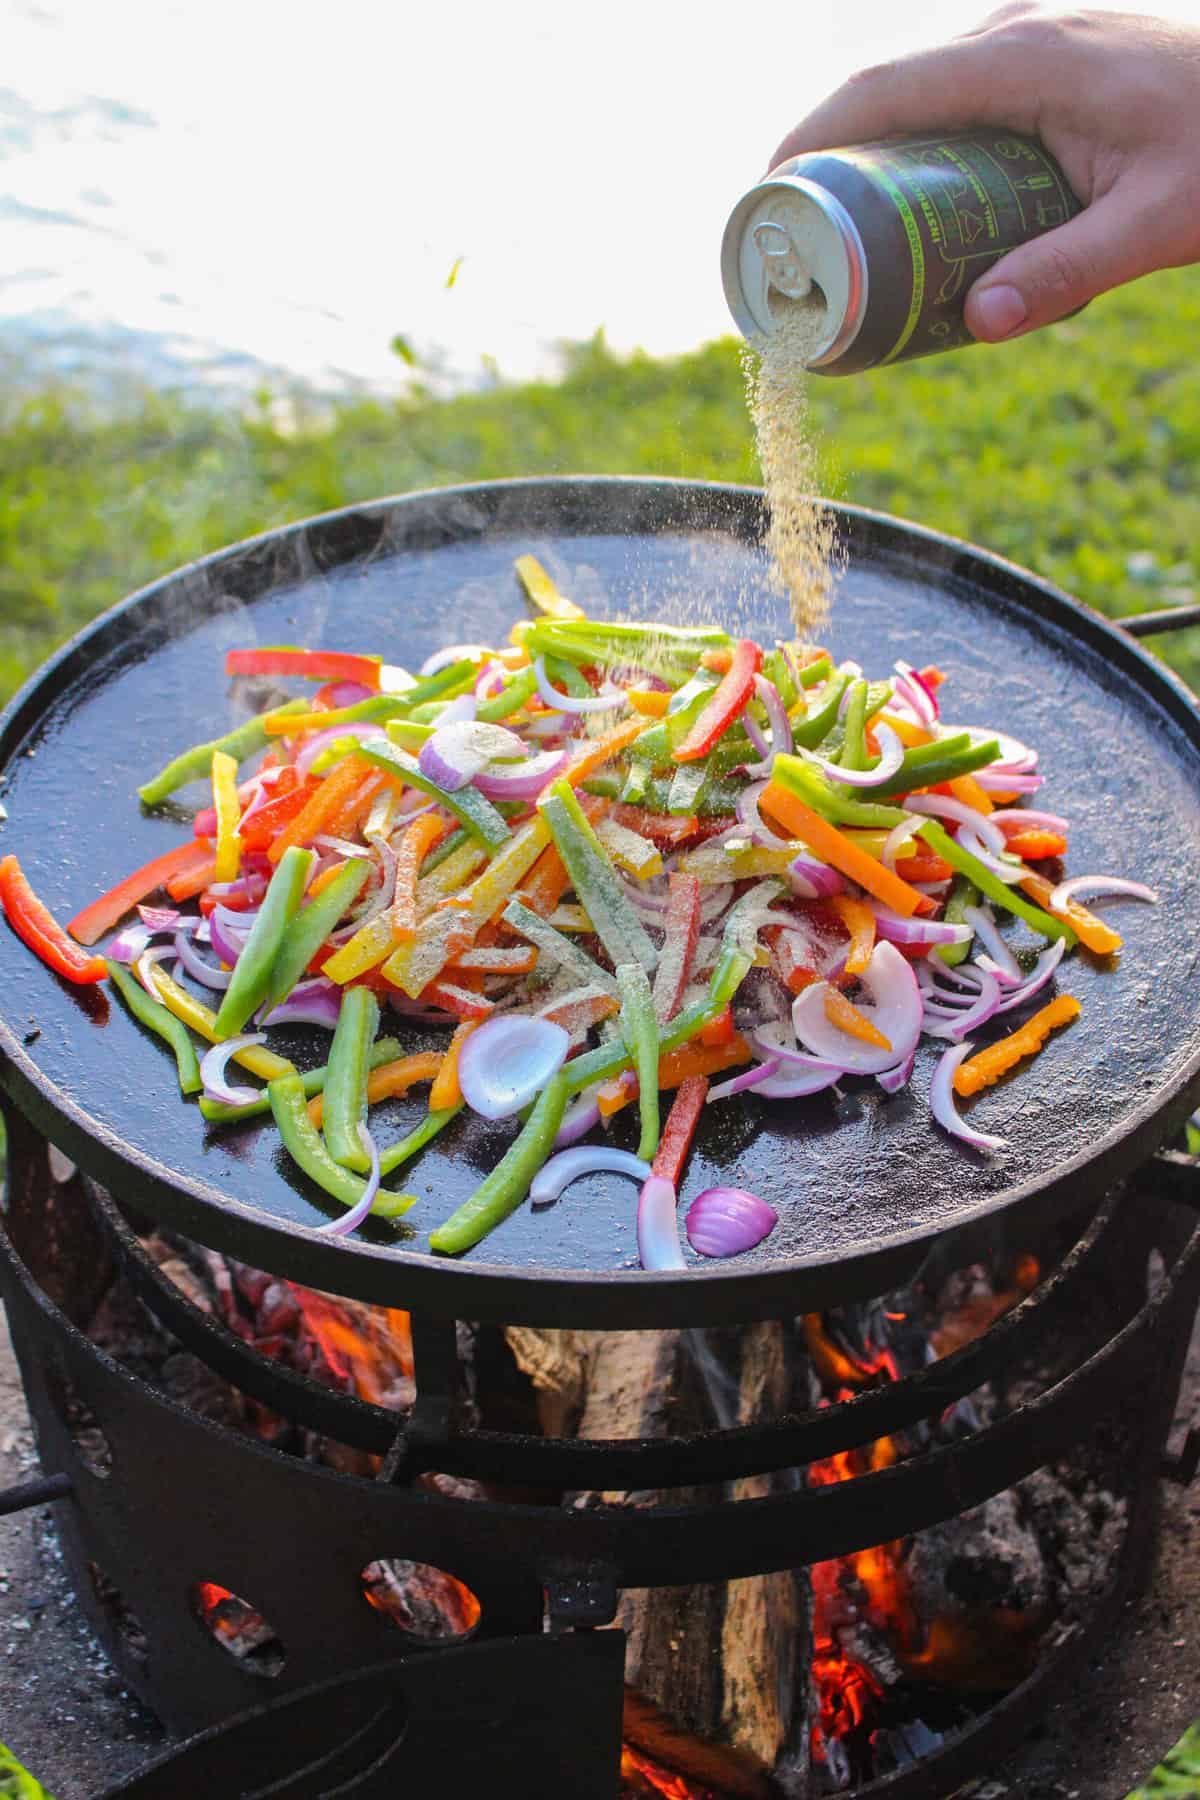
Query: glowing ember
(368, 1348)
(642, 1775)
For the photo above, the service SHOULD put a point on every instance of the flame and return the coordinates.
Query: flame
(992, 1651)
(838, 1368)
(641, 1773)
(364, 1346)
(977, 1315)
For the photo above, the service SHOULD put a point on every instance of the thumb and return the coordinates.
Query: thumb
(1055, 274)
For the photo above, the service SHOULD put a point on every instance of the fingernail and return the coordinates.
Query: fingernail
(996, 312)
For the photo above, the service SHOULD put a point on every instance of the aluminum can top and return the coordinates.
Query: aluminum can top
(790, 244)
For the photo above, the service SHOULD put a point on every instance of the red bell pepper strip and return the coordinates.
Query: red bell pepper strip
(104, 913)
(680, 1128)
(667, 830)
(681, 929)
(732, 693)
(317, 665)
(35, 925)
(719, 1030)
(263, 827)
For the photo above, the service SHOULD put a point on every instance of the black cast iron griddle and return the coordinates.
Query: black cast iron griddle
(863, 1184)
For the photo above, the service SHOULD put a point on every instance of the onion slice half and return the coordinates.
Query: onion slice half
(506, 1063)
(212, 1070)
(895, 1010)
(608, 697)
(941, 1103)
(1081, 887)
(657, 1226)
(586, 1159)
(351, 1220)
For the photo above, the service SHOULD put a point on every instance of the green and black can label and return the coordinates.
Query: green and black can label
(879, 244)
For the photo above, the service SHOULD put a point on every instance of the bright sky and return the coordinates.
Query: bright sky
(297, 179)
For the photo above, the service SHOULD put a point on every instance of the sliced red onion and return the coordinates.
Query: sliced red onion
(1043, 969)
(315, 1002)
(1081, 887)
(894, 1009)
(774, 1041)
(158, 954)
(316, 741)
(898, 930)
(658, 1226)
(167, 918)
(206, 973)
(506, 1063)
(941, 1103)
(982, 921)
(852, 669)
(892, 1080)
(912, 693)
(941, 1024)
(941, 806)
(608, 697)
(743, 1080)
(1008, 872)
(458, 710)
(547, 725)
(456, 753)
(715, 902)
(781, 726)
(961, 975)
(1005, 977)
(212, 1070)
(228, 932)
(340, 846)
(725, 1221)
(586, 1159)
(751, 822)
(1024, 816)
(442, 659)
(759, 739)
(891, 756)
(1015, 758)
(250, 888)
(811, 879)
(779, 1082)
(896, 839)
(350, 1221)
(996, 780)
(394, 680)
(489, 681)
(580, 1116)
(382, 897)
(523, 780)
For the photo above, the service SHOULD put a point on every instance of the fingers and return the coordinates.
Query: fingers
(981, 80)
(1112, 241)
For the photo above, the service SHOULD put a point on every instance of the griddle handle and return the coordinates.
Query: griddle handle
(1166, 618)
(34, 1493)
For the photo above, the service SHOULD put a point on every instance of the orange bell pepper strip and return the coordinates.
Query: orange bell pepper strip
(581, 1008)
(842, 1013)
(314, 816)
(680, 1128)
(317, 665)
(495, 959)
(460, 999)
(418, 840)
(1090, 930)
(924, 868)
(729, 698)
(597, 751)
(193, 881)
(1036, 845)
(36, 926)
(716, 661)
(446, 1091)
(989, 1065)
(322, 880)
(105, 912)
(545, 884)
(835, 848)
(859, 921)
(353, 814)
(389, 1080)
(692, 1058)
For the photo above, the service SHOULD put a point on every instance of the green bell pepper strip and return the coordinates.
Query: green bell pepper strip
(963, 894)
(406, 1148)
(928, 765)
(509, 700)
(196, 764)
(728, 701)
(312, 925)
(501, 1192)
(556, 946)
(346, 1081)
(733, 752)
(739, 940)
(637, 779)
(446, 848)
(155, 1017)
(445, 685)
(692, 695)
(683, 795)
(304, 1144)
(831, 801)
(382, 1051)
(811, 728)
(594, 879)
(716, 796)
(854, 740)
(605, 782)
(592, 635)
(473, 812)
(655, 744)
(610, 1059)
(943, 845)
(639, 1028)
(252, 972)
(565, 675)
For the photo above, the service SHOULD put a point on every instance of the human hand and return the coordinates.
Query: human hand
(1113, 96)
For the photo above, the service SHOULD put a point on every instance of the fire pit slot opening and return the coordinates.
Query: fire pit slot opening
(238, 1628)
(424, 1602)
(80, 1423)
(121, 1616)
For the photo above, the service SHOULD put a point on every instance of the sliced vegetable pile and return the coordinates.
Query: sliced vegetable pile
(613, 861)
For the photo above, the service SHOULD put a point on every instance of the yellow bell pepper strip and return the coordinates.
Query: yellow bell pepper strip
(447, 876)
(503, 1190)
(650, 702)
(36, 926)
(251, 975)
(951, 851)
(314, 665)
(421, 959)
(490, 890)
(203, 1020)
(987, 1066)
(312, 926)
(391, 1079)
(382, 1050)
(368, 947)
(92, 923)
(155, 1017)
(840, 1012)
(570, 917)
(629, 850)
(554, 947)
(910, 735)
(729, 701)
(344, 1101)
(596, 885)
(1100, 938)
(228, 859)
(475, 814)
(320, 807)
(859, 921)
(196, 763)
(446, 1090)
(834, 848)
(639, 1028)
(673, 1070)
(304, 1144)
(543, 592)
(405, 1148)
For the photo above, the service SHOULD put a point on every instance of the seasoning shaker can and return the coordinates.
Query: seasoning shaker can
(876, 246)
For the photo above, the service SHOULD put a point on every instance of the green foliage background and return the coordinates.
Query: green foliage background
(1073, 452)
